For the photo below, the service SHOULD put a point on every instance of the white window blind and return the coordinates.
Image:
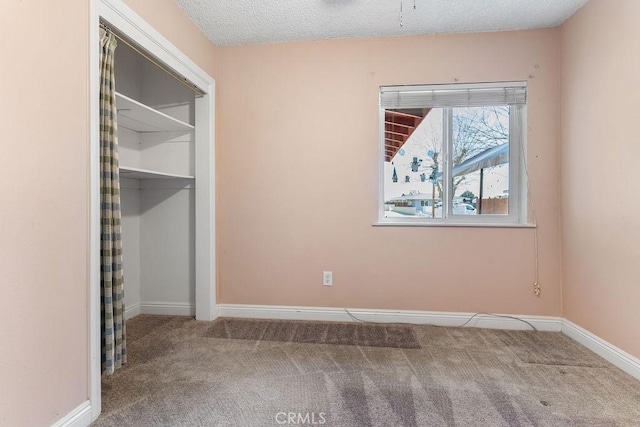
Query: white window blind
(460, 95)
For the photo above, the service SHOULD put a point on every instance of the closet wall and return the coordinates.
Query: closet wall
(158, 225)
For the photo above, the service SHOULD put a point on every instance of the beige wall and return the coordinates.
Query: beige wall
(297, 170)
(600, 152)
(44, 217)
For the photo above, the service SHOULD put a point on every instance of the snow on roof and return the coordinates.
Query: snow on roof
(413, 196)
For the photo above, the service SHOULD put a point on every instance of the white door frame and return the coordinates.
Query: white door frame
(119, 16)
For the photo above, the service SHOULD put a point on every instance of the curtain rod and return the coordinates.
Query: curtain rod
(173, 74)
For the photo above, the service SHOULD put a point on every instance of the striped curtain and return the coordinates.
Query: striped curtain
(114, 349)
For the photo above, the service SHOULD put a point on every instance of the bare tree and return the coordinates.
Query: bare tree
(474, 130)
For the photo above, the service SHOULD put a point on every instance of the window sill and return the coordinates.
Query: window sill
(452, 224)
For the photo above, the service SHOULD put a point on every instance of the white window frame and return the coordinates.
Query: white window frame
(517, 216)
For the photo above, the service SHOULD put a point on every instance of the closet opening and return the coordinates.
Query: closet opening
(160, 190)
(156, 131)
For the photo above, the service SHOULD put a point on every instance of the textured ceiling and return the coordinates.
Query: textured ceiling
(232, 22)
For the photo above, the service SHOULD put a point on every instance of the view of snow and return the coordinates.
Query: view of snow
(413, 178)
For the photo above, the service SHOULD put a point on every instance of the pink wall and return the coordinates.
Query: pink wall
(600, 152)
(44, 173)
(43, 219)
(297, 169)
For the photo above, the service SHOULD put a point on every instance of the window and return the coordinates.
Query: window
(452, 154)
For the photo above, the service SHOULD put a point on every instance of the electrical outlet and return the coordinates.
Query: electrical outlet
(327, 278)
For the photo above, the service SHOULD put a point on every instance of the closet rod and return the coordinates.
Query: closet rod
(195, 89)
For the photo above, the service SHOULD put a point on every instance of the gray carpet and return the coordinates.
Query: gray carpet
(371, 335)
(180, 374)
(532, 347)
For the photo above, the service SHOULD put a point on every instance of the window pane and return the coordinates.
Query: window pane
(413, 163)
(480, 153)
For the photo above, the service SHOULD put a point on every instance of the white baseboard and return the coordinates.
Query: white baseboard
(79, 417)
(542, 323)
(618, 357)
(167, 308)
(132, 311)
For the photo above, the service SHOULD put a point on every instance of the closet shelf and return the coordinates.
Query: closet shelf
(136, 116)
(137, 173)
